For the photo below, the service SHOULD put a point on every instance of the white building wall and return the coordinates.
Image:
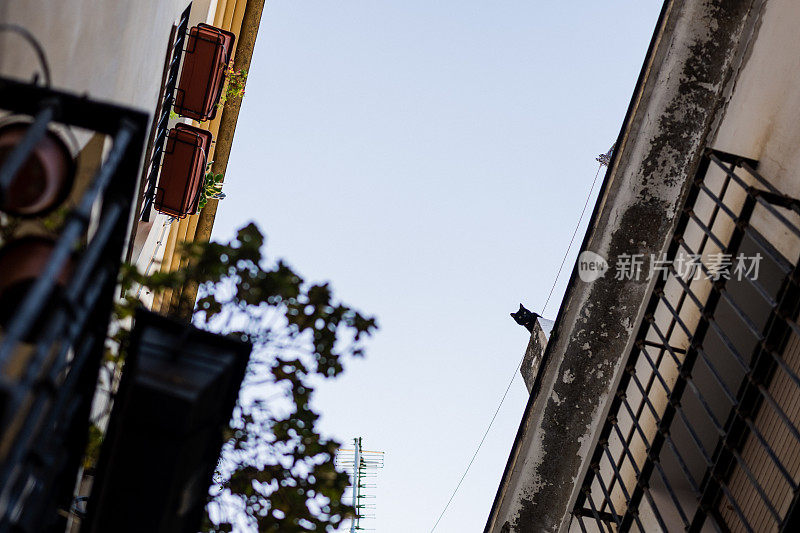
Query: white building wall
(108, 49)
(760, 122)
(112, 50)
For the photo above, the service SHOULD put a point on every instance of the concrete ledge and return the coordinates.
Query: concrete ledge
(533, 355)
(689, 64)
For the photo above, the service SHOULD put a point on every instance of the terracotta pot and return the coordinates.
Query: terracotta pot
(46, 177)
(21, 263)
(208, 51)
(183, 170)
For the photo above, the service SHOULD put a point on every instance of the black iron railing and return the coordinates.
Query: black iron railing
(162, 115)
(703, 430)
(46, 398)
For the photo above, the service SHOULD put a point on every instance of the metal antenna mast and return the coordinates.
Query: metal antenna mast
(362, 465)
(356, 485)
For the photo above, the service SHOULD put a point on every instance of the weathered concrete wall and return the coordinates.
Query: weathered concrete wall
(693, 55)
(533, 355)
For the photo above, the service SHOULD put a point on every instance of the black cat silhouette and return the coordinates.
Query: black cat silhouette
(525, 318)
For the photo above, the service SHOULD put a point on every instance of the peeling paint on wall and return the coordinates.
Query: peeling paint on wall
(670, 117)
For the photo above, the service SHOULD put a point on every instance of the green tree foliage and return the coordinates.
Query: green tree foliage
(276, 473)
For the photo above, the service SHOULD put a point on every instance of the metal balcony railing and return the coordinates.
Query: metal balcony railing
(702, 433)
(55, 341)
(161, 124)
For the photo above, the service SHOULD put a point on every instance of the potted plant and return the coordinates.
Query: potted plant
(211, 190)
(234, 86)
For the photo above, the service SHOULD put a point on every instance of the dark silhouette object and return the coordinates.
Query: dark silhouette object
(174, 402)
(525, 318)
(22, 261)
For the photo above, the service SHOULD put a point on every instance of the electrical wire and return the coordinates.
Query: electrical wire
(572, 239)
(485, 433)
(152, 261)
(519, 365)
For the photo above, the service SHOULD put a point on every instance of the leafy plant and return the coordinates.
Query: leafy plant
(212, 189)
(94, 442)
(234, 85)
(276, 473)
(48, 225)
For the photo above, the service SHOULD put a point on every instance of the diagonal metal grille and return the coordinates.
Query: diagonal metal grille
(50, 351)
(160, 127)
(702, 433)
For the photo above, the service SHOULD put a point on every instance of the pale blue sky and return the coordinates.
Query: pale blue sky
(431, 159)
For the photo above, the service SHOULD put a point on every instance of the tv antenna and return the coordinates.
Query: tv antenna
(362, 466)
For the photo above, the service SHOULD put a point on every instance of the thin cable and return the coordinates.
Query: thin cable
(572, 239)
(153, 257)
(474, 455)
(28, 36)
(514, 375)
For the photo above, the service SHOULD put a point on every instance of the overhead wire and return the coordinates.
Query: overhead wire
(572, 239)
(519, 365)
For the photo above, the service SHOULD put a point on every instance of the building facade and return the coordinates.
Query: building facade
(101, 78)
(667, 395)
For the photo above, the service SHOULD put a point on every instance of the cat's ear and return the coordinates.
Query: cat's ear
(521, 308)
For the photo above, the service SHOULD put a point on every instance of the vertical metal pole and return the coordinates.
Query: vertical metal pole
(356, 485)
